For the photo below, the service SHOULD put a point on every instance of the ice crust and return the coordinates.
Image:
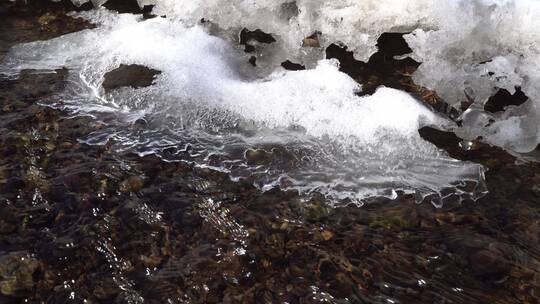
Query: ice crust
(357, 147)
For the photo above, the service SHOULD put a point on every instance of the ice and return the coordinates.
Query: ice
(347, 146)
(357, 24)
(479, 47)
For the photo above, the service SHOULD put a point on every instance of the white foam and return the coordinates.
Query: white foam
(363, 146)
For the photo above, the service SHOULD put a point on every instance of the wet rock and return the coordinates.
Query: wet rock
(384, 68)
(251, 38)
(132, 184)
(47, 280)
(291, 66)
(312, 40)
(275, 245)
(316, 211)
(33, 85)
(151, 261)
(135, 76)
(25, 21)
(487, 155)
(503, 99)
(16, 273)
(393, 44)
(253, 61)
(486, 263)
(258, 157)
(128, 7)
(397, 219)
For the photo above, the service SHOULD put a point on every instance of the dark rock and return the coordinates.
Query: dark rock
(503, 99)
(291, 66)
(6, 227)
(249, 38)
(135, 76)
(383, 69)
(393, 44)
(253, 61)
(482, 153)
(131, 7)
(382, 62)
(31, 20)
(485, 263)
(256, 35)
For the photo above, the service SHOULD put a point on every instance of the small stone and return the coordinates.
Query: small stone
(312, 40)
(258, 157)
(489, 263)
(327, 235)
(46, 19)
(7, 108)
(49, 146)
(16, 273)
(316, 211)
(132, 184)
(151, 261)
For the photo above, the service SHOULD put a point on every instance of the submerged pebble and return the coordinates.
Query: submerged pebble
(17, 273)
